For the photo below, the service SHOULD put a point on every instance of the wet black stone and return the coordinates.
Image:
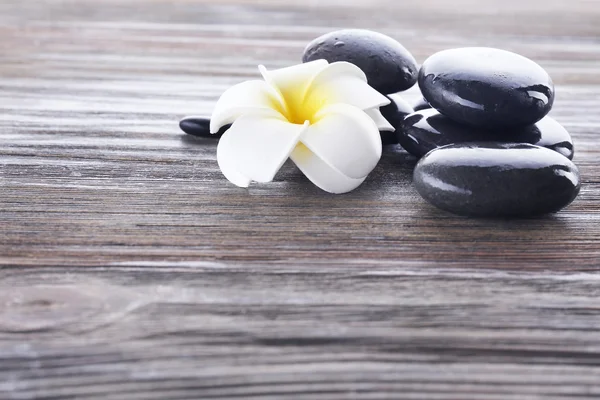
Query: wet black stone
(389, 67)
(426, 130)
(421, 104)
(493, 179)
(200, 126)
(552, 135)
(394, 113)
(486, 87)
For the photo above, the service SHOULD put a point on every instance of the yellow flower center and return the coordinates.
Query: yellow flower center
(297, 112)
(300, 104)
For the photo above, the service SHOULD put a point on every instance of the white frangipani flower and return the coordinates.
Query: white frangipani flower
(325, 117)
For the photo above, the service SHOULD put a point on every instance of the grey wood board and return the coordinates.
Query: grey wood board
(131, 269)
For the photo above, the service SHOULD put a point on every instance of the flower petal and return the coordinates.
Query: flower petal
(321, 174)
(293, 82)
(345, 138)
(228, 164)
(246, 97)
(379, 119)
(342, 82)
(260, 144)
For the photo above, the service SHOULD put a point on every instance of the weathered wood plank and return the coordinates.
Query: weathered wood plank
(131, 269)
(219, 333)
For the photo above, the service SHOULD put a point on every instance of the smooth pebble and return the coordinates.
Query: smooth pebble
(200, 126)
(389, 67)
(426, 130)
(394, 113)
(497, 179)
(486, 87)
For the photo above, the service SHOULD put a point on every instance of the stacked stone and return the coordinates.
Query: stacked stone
(485, 144)
(481, 131)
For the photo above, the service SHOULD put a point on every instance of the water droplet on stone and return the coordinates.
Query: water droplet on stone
(384, 71)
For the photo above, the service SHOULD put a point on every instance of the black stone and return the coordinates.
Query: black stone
(389, 67)
(421, 104)
(486, 87)
(552, 135)
(426, 130)
(200, 126)
(394, 113)
(494, 179)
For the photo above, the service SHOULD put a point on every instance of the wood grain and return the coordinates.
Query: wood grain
(131, 269)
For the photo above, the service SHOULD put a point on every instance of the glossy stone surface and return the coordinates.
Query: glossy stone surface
(486, 87)
(389, 67)
(421, 104)
(394, 113)
(492, 179)
(200, 126)
(426, 130)
(552, 135)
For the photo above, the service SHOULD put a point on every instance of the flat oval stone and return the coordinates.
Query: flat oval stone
(486, 87)
(421, 104)
(394, 113)
(552, 135)
(389, 67)
(494, 179)
(200, 126)
(426, 130)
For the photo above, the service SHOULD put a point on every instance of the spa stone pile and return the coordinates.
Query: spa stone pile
(485, 144)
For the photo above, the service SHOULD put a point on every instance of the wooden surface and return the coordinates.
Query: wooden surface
(131, 269)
